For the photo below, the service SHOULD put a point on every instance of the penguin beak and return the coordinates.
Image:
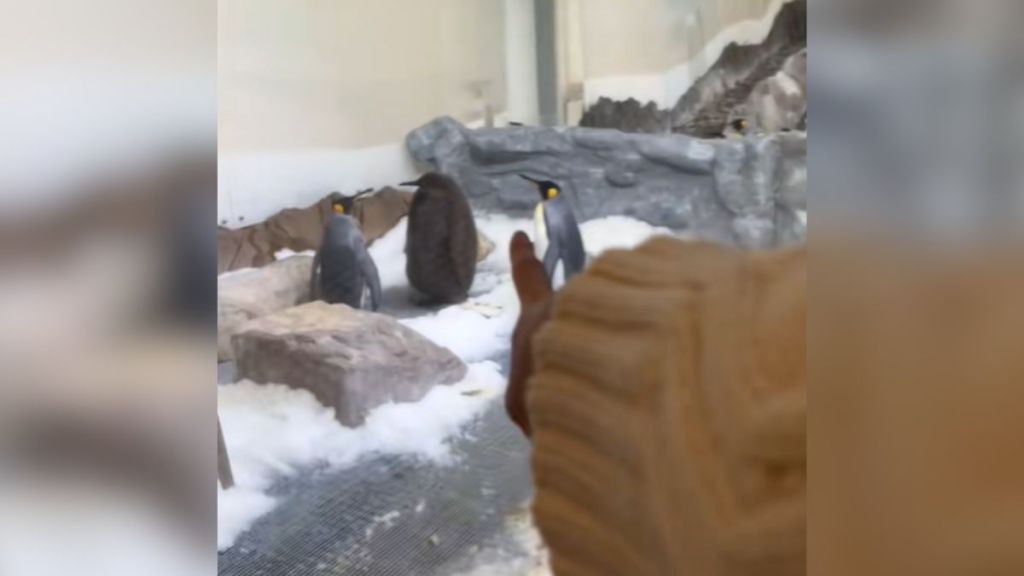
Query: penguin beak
(413, 183)
(528, 179)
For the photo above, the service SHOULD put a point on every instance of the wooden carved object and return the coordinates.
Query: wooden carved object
(668, 406)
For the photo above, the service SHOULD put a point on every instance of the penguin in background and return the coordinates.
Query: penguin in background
(556, 226)
(342, 267)
(441, 243)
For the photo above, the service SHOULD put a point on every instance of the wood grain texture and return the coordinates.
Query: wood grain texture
(668, 406)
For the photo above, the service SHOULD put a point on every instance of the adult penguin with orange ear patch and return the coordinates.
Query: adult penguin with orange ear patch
(556, 224)
(342, 267)
(441, 243)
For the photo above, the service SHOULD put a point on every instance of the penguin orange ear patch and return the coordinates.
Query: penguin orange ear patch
(339, 209)
(552, 192)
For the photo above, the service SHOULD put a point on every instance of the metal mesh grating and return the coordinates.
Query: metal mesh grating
(324, 523)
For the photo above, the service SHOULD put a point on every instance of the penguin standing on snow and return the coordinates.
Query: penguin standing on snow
(342, 268)
(441, 244)
(556, 225)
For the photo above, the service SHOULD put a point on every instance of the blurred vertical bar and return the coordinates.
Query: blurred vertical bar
(916, 390)
(226, 476)
(107, 287)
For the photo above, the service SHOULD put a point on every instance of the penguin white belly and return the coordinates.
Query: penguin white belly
(540, 231)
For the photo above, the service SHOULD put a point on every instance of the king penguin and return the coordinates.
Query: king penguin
(441, 243)
(557, 228)
(342, 267)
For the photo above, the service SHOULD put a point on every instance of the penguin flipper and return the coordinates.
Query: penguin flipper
(551, 256)
(372, 278)
(575, 256)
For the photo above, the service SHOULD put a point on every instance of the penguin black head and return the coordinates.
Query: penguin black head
(432, 180)
(341, 204)
(548, 190)
(740, 125)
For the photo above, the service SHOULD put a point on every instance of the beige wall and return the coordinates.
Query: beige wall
(623, 37)
(318, 95)
(654, 49)
(647, 36)
(345, 74)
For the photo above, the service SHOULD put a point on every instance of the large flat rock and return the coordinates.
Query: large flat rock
(256, 293)
(350, 360)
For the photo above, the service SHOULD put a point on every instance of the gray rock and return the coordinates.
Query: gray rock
(754, 232)
(712, 99)
(793, 227)
(777, 103)
(249, 294)
(688, 184)
(793, 172)
(350, 360)
(746, 175)
(626, 115)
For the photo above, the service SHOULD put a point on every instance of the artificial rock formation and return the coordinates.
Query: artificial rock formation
(252, 294)
(669, 430)
(734, 87)
(777, 103)
(350, 360)
(705, 108)
(746, 192)
(626, 115)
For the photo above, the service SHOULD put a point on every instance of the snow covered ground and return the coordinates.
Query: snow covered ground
(272, 432)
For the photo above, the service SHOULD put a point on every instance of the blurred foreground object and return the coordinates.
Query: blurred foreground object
(915, 312)
(535, 299)
(108, 189)
(668, 414)
(916, 428)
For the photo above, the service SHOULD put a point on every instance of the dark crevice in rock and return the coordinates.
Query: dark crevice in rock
(627, 116)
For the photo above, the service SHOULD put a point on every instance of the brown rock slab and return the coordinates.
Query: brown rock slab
(252, 294)
(350, 360)
(379, 213)
(300, 229)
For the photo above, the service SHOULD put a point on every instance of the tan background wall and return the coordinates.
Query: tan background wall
(318, 95)
(647, 36)
(352, 73)
(653, 49)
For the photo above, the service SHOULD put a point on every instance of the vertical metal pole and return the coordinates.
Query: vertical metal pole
(227, 479)
(547, 62)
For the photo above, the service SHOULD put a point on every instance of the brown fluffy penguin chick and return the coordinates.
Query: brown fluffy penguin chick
(441, 244)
